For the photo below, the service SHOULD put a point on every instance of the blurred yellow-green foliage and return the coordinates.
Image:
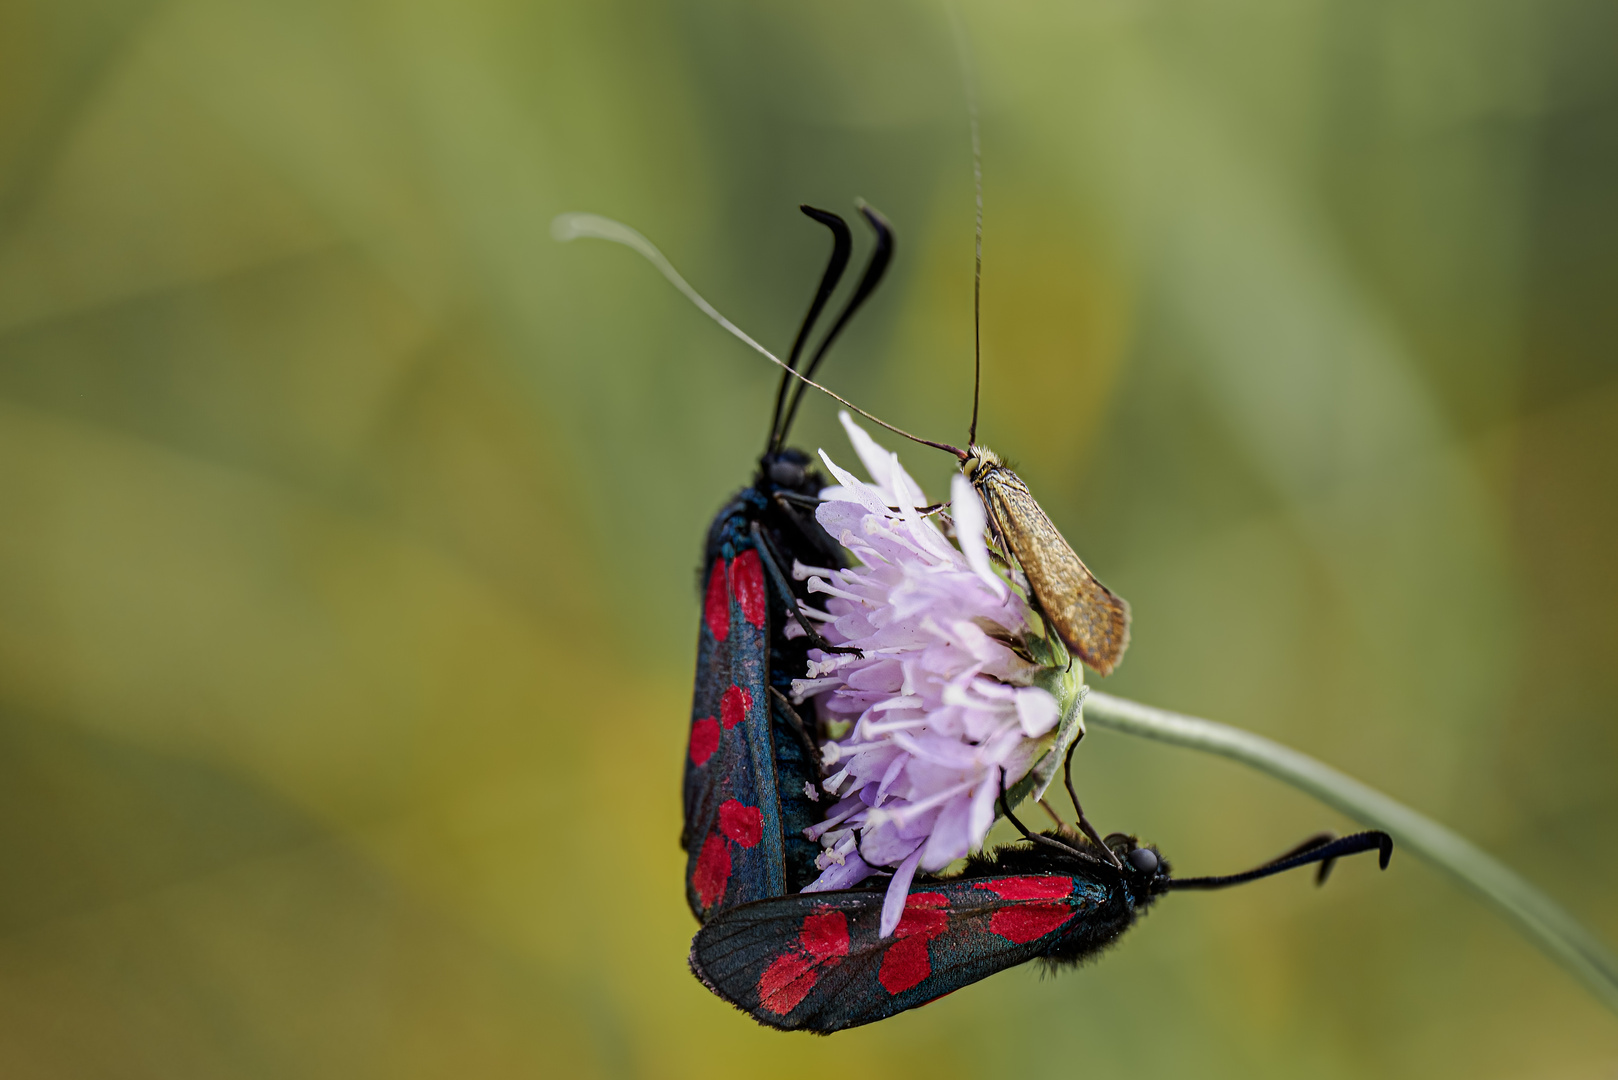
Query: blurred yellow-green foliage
(349, 525)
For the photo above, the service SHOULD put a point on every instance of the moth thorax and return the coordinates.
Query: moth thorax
(980, 461)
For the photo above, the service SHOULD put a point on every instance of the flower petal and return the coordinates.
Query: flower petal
(970, 522)
(863, 493)
(951, 836)
(1037, 711)
(883, 844)
(983, 800)
(876, 459)
(893, 905)
(853, 871)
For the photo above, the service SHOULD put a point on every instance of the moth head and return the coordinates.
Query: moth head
(979, 461)
(790, 468)
(1144, 866)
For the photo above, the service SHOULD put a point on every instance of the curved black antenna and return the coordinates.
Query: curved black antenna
(874, 269)
(842, 246)
(963, 49)
(1312, 853)
(1320, 839)
(565, 227)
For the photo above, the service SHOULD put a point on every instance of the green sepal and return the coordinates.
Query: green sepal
(1066, 684)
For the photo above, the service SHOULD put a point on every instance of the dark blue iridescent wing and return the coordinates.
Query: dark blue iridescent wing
(814, 961)
(733, 829)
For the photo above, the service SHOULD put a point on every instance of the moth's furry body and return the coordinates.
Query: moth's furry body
(1129, 892)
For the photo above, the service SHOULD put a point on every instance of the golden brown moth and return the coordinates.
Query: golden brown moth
(1091, 620)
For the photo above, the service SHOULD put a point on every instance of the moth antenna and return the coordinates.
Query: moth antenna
(963, 50)
(1317, 840)
(1310, 851)
(874, 269)
(565, 227)
(842, 246)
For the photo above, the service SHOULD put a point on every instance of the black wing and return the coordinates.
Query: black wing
(814, 961)
(733, 834)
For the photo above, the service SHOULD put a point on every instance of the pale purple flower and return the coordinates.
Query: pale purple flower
(939, 709)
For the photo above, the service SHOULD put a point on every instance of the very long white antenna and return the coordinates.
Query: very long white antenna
(565, 227)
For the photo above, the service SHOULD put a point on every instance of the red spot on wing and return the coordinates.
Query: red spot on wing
(825, 936)
(1046, 887)
(747, 582)
(743, 824)
(713, 871)
(923, 916)
(704, 740)
(733, 706)
(905, 964)
(716, 604)
(785, 983)
(790, 977)
(1028, 922)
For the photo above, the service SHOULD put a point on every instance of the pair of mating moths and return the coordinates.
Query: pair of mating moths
(816, 961)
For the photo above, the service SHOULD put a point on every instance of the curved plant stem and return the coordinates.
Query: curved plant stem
(1534, 914)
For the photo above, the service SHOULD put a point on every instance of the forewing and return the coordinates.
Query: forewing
(1087, 616)
(732, 834)
(814, 961)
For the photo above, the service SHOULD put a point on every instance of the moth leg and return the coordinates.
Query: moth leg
(1035, 837)
(996, 554)
(1068, 832)
(762, 543)
(800, 729)
(999, 533)
(1050, 812)
(811, 530)
(1078, 810)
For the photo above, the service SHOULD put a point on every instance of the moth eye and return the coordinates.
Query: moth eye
(786, 473)
(1143, 859)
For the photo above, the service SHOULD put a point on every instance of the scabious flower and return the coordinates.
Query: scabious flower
(957, 688)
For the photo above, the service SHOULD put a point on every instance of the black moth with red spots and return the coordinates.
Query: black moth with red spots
(751, 759)
(816, 962)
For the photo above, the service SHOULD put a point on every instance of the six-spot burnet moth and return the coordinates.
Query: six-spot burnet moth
(818, 962)
(753, 763)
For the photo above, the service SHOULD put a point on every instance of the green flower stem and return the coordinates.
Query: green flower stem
(1534, 914)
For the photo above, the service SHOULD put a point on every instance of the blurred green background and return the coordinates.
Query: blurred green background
(350, 524)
